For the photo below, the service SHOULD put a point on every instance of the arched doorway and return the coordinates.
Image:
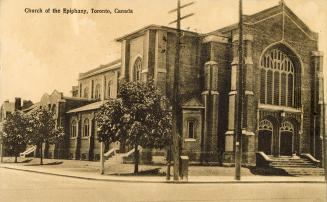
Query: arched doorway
(286, 138)
(265, 137)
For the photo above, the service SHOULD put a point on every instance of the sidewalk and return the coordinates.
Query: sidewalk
(92, 173)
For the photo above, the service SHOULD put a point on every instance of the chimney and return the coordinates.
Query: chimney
(18, 103)
(27, 104)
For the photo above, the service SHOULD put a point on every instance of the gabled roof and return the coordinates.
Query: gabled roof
(92, 106)
(153, 27)
(193, 103)
(32, 108)
(102, 68)
(266, 14)
(77, 98)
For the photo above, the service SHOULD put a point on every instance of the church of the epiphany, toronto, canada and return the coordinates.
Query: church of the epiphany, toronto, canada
(283, 103)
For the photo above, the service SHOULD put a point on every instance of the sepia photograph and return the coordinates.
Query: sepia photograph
(163, 100)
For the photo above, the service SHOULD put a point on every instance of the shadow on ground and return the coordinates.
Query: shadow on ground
(267, 171)
(149, 172)
(24, 161)
(46, 164)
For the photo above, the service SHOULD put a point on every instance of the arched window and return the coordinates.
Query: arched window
(73, 129)
(277, 79)
(265, 125)
(265, 138)
(137, 68)
(86, 92)
(287, 127)
(97, 91)
(86, 127)
(109, 88)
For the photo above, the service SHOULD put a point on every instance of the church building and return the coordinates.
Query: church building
(283, 87)
(283, 84)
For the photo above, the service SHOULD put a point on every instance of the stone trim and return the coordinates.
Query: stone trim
(212, 92)
(312, 38)
(189, 140)
(244, 132)
(317, 54)
(248, 133)
(213, 38)
(235, 61)
(161, 70)
(248, 92)
(266, 18)
(234, 92)
(229, 132)
(192, 107)
(211, 63)
(144, 71)
(278, 108)
(246, 37)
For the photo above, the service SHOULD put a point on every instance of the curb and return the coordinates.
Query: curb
(166, 182)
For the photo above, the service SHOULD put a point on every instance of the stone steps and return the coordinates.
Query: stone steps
(296, 166)
(305, 171)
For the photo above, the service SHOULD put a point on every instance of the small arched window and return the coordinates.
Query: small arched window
(86, 128)
(86, 92)
(73, 129)
(97, 91)
(137, 68)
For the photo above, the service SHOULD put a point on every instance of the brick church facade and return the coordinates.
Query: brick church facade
(283, 87)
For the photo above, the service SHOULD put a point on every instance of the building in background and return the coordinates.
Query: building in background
(98, 84)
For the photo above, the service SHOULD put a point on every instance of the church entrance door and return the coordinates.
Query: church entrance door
(264, 141)
(286, 138)
(265, 136)
(286, 143)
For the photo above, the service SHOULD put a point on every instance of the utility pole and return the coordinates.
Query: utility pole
(239, 101)
(101, 158)
(1, 142)
(325, 143)
(324, 136)
(1, 146)
(176, 105)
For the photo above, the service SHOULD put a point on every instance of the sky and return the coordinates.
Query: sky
(40, 52)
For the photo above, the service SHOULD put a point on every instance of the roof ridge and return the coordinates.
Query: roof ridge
(116, 61)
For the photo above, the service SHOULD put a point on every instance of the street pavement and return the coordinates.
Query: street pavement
(93, 173)
(27, 186)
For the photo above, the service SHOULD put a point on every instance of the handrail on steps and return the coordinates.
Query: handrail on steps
(108, 153)
(131, 151)
(27, 151)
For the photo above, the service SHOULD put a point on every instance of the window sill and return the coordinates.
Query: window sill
(73, 138)
(86, 137)
(189, 140)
